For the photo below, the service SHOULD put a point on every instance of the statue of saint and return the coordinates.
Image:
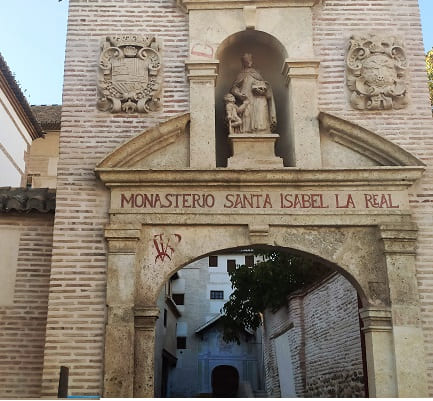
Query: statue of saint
(255, 100)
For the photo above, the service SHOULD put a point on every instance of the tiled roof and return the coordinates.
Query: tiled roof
(48, 116)
(16, 97)
(27, 200)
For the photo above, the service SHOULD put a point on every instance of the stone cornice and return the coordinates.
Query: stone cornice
(188, 5)
(396, 177)
(366, 142)
(202, 70)
(308, 68)
(144, 144)
(399, 238)
(376, 319)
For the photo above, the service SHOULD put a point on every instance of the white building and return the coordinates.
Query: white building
(200, 291)
(18, 128)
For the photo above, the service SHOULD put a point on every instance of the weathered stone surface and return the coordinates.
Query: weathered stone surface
(251, 109)
(376, 72)
(129, 80)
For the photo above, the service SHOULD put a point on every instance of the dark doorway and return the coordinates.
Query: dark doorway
(168, 363)
(225, 381)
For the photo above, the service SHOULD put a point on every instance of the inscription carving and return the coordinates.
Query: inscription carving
(376, 72)
(267, 201)
(128, 78)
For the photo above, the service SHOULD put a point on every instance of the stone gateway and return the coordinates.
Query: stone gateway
(170, 151)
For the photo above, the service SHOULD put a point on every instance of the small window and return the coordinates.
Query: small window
(231, 265)
(213, 261)
(165, 317)
(217, 295)
(179, 299)
(181, 342)
(249, 260)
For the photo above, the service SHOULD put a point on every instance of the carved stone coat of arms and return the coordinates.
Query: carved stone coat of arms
(128, 76)
(376, 73)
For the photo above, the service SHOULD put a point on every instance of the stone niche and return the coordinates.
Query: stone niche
(258, 138)
(279, 36)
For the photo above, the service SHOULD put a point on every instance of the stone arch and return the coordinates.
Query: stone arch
(361, 267)
(371, 257)
(244, 39)
(372, 244)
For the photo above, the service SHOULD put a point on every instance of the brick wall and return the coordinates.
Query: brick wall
(76, 314)
(324, 339)
(22, 323)
(410, 128)
(333, 358)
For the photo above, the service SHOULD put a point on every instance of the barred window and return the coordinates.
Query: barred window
(217, 295)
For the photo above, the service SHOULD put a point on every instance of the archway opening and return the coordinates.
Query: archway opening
(268, 58)
(309, 346)
(225, 381)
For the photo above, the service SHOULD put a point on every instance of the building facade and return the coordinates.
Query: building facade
(202, 289)
(200, 126)
(18, 128)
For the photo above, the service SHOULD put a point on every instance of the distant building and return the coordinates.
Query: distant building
(18, 128)
(44, 153)
(200, 290)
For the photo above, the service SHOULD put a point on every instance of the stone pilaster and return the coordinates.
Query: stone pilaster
(301, 79)
(119, 332)
(399, 243)
(379, 351)
(202, 78)
(144, 323)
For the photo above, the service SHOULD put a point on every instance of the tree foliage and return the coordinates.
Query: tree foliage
(266, 285)
(429, 65)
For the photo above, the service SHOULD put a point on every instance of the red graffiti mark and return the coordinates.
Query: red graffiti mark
(202, 49)
(163, 247)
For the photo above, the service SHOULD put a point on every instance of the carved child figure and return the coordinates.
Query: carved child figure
(233, 113)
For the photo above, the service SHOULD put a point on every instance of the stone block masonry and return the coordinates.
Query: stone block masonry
(23, 319)
(76, 316)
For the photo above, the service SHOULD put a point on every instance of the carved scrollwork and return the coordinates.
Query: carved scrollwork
(129, 74)
(376, 73)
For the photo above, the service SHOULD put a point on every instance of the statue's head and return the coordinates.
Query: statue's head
(229, 98)
(247, 60)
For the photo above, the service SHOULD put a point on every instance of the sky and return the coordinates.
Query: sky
(33, 36)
